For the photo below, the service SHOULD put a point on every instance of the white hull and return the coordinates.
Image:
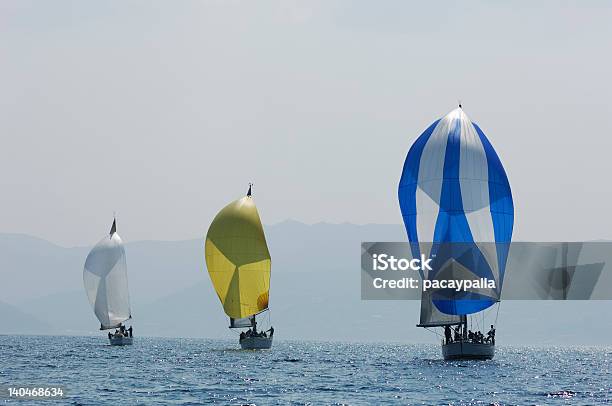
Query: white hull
(466, 350)
(256, 343)
(121, 340)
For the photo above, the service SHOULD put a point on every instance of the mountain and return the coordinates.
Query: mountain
(31, 268)
(68, 312)
(15, 321)
(315, 292)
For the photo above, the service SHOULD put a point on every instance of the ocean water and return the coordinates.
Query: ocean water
(197, 371)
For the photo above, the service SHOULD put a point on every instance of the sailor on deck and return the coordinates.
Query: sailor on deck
(491, 335)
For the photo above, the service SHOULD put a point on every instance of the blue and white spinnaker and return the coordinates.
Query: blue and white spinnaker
(454, 189)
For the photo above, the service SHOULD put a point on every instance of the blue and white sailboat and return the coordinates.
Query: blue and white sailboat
(457, 207)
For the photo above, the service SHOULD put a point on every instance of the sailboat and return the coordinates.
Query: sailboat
(239, 264)
(105, 280)
(457, 208)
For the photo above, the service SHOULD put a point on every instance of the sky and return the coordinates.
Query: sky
(163, 111)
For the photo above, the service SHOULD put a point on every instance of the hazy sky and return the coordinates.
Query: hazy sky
(164, 111)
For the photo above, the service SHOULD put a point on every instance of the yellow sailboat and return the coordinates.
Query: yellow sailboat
(239, 265)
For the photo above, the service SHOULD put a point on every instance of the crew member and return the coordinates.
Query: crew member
(491, 334)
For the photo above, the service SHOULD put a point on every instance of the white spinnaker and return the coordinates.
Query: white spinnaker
(105, 279)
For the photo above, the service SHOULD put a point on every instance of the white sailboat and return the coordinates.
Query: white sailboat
(105, 280)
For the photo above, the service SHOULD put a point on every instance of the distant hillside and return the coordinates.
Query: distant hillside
(315, 292)
(37, 268)
(31, 267)
(15, 321)
(67, 312)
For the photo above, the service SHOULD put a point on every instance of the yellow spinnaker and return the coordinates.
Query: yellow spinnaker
(238, 259)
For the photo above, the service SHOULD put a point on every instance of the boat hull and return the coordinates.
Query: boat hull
(465, 350)
(121, 340)
(256, 343)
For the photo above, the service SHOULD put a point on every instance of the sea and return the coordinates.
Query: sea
(183, 371)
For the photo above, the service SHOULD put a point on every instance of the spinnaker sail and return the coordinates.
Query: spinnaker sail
(238, 261)
(105, 280)
(453, 190)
